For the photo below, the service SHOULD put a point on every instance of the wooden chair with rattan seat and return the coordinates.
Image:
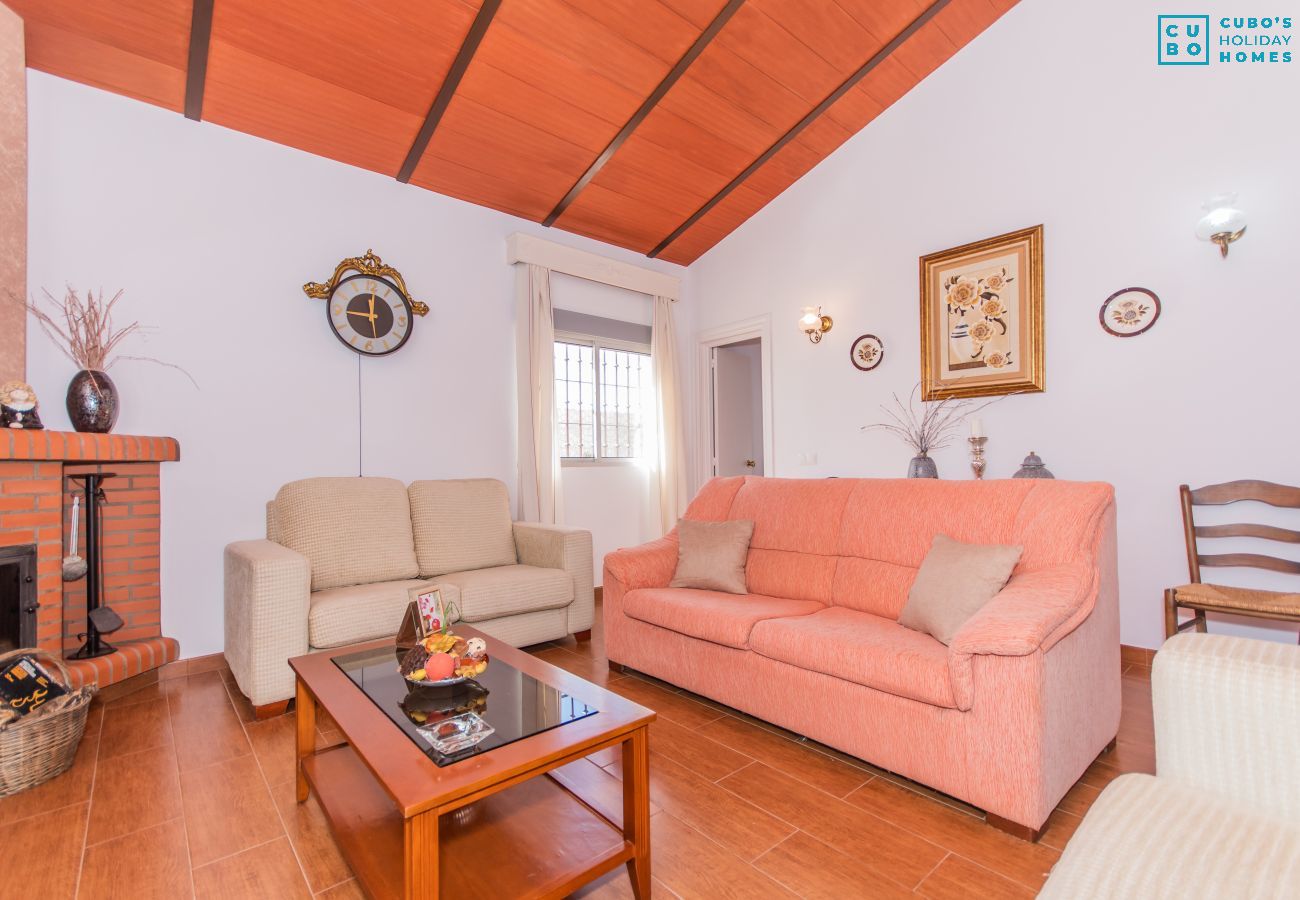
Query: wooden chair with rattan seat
(1202, 598)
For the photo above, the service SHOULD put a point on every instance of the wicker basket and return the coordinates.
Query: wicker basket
(41, 745)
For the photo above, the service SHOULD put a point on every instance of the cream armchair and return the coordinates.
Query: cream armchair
(1221, 816)
(343, 557)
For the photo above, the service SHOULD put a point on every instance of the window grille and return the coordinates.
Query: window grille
(601, 395)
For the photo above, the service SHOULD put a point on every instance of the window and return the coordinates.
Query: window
(602, 391)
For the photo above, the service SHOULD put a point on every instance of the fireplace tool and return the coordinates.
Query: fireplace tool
(74, 567)
(100, 618)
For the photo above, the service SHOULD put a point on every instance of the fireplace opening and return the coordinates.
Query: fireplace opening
(17, 597)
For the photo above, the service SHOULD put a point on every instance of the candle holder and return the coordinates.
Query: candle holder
(977, 463)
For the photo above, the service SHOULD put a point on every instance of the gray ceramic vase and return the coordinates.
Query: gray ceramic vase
(92, 402)
(922, 466)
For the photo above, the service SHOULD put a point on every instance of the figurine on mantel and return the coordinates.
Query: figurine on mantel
(1033, 467)
(18, 407)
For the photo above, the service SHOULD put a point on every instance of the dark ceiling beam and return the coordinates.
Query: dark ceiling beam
(196, 70)
(849, 83)
(464, 56)
(676, 72)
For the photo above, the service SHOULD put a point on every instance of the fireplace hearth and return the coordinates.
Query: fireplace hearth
(18, 604)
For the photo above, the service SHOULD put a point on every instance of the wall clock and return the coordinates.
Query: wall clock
(371, 310)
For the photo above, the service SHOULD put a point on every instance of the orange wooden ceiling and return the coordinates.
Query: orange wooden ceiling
(656, 125)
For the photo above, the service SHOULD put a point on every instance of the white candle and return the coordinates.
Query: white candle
(977, 428)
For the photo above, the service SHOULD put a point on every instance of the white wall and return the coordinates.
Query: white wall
(1056, 115)
(212, 234)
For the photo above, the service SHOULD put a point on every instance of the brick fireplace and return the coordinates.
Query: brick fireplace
(35, 505)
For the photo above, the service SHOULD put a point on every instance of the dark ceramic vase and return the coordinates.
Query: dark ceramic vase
(922, 467)
(92, 402)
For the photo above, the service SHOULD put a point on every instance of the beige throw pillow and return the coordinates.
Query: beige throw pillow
(954, 582)
(711, 556)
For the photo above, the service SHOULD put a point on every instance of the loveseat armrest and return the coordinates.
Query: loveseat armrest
(1032, 612)
(558, 547)
(1227, 719)
(268, 596)
(649, 565)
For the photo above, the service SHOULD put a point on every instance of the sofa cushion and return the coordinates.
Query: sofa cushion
(360, 612)
(461, 524)
(710, 615)
(352, 530)
(862, 648)
(507, 590)
(955, 582)
(711, 555)
(796, 526)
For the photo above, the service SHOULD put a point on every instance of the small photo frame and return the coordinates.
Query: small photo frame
(433, 614)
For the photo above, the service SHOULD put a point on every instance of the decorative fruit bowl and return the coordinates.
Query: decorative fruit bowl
(441, 660)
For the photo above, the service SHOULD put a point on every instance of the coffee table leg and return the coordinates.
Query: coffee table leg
(306, 716)
(421, 856)
(636, 809)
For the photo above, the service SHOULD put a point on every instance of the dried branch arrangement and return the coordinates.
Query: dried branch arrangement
(84, 331)
(931, 428)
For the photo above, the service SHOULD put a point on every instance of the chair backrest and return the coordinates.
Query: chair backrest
(1279, 495)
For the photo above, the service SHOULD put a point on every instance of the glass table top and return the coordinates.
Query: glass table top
(514, 704)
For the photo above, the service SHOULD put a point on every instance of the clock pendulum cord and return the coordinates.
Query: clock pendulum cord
(360, 411)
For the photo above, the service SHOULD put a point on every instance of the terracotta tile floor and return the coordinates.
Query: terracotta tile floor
(177, 793)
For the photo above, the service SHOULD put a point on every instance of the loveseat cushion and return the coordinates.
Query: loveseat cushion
(1151, 837)
(461, 524)
(507, 590)
(714, 616)
(862, 648)
(352, 530)
(360, 612)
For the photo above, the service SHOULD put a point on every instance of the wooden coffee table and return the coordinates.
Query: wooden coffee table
(504, 822)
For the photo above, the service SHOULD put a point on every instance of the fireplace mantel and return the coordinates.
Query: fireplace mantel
(76, 446)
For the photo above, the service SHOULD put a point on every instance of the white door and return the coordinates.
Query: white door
(738, 409)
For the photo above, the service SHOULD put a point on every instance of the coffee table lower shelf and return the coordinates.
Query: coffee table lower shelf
(556, 843)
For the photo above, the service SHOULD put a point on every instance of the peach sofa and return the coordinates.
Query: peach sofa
(1006, 718)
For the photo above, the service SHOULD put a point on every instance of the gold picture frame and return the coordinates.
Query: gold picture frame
(982, 317)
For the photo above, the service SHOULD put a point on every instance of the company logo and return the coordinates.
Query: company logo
(1184, 40)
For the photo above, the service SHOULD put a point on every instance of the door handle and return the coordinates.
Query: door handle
(749, 464)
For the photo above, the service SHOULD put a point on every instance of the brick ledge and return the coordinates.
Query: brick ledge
(131, 658)
(76, 446)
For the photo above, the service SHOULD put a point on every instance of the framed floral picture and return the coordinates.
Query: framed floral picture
(982, 317)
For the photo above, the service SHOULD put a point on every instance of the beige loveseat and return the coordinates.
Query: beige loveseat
(344, 556)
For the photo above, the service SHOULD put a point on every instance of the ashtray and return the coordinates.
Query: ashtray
(456, 733)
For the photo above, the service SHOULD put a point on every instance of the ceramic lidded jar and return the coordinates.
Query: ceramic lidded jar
(1033, 467)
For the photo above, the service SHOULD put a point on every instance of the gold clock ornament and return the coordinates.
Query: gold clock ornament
(370, 310)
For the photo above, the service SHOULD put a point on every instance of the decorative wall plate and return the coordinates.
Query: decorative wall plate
(867, 352)
(1129, 312)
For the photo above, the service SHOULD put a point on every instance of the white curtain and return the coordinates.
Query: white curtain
(539, 452)
(668, 482)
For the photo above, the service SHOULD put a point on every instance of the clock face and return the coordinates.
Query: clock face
(369, 314)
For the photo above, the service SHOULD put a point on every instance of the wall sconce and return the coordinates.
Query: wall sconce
(1222, 223)
(814, 324)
